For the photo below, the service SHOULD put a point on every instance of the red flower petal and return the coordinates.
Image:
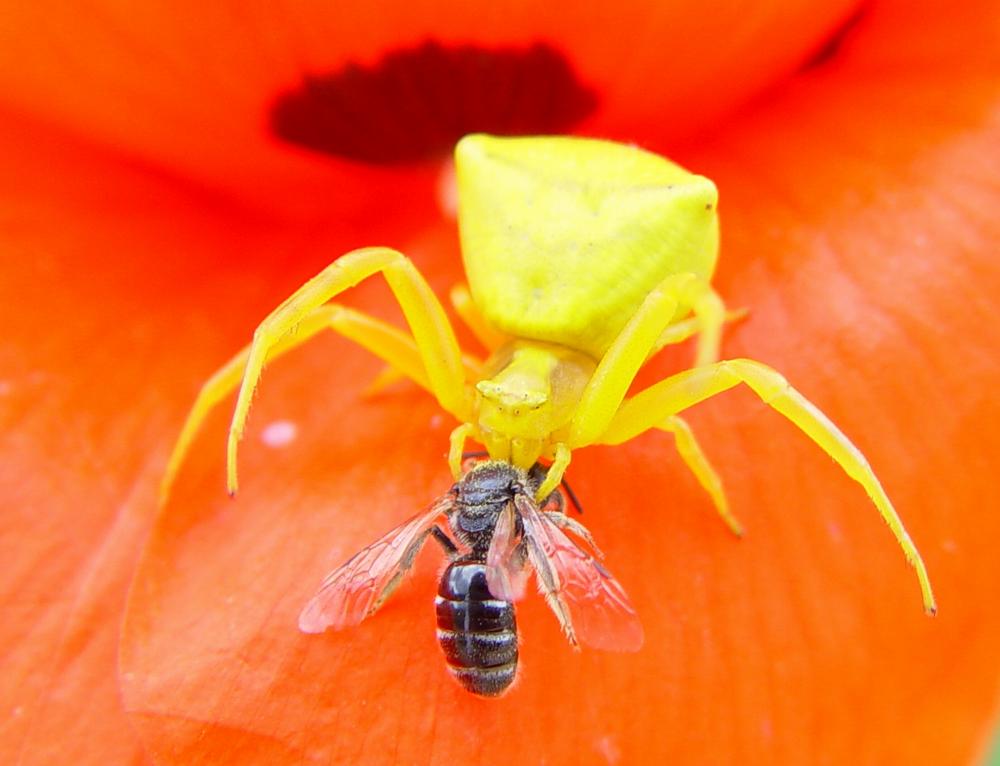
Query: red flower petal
(106, 330)
(861, 241)
(859, 222)
(187, 86)
(84, 371)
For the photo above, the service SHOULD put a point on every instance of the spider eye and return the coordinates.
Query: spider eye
(516, 400)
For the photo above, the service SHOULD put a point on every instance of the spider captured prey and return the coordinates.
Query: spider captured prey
(498, 534)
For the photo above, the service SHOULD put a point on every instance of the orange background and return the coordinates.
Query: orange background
(147, 222)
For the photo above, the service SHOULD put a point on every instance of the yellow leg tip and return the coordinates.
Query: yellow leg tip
(232, 485)
(930, 604)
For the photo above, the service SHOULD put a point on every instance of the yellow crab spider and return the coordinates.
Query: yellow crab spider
(584, 258)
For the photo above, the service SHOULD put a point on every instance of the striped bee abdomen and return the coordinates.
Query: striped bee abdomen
(478, 633)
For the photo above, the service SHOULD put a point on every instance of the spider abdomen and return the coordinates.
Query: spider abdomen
(477, 632)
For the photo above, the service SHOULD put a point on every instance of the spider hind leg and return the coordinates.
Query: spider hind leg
(651, 407)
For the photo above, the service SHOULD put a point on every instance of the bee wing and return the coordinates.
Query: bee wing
(506, 573)
(590, 605)
(359, 587)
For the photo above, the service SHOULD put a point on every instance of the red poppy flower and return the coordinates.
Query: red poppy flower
(164, 187)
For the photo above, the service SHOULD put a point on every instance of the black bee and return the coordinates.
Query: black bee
(496, 530)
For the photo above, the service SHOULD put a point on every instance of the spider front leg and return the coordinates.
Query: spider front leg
(662, 400)
(432, 332)
(560, 462)
(427, 360)
(382, 339)
(456, 449)
(465, 307)
(637, 341)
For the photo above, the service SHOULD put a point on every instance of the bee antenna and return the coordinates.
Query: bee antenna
(572, 497)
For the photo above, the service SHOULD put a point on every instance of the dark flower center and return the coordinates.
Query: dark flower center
(829, 48)
(415, 103)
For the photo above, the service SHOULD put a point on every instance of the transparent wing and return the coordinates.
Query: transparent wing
(506, 573)
(591, 606)
(359, 587)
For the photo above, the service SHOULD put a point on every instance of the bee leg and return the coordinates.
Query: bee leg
(693, 456)
(441, 536)
(553, 504)
(382, 339)
(432, 333)
(573, 499)
(465, 307)
(563, 521)
(629, 351)
(651, 407)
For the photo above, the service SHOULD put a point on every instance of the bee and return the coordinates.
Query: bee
(584, 259)
(498, 534)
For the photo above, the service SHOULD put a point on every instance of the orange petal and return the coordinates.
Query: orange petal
(120, 289)
(188, 86)
(860, 239)
(860, 232)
